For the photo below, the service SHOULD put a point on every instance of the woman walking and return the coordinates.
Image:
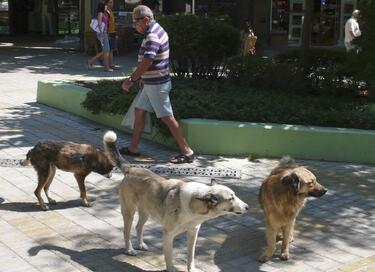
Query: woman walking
(102, 36)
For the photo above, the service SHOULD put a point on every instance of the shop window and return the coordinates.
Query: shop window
(215, 8)
(325, 27)
(68, 17)
(4, 17)
(279, 13)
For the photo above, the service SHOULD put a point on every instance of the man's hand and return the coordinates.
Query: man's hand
(126, 85)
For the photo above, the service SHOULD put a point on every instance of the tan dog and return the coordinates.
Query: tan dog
(80, 159)
(177, 205)
(282, 196)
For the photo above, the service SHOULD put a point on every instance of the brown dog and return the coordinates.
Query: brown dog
(80, 159)
(282, 195)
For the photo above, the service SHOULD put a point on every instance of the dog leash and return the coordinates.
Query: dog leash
(163, 170)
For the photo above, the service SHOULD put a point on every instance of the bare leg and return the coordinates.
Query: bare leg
(93, 59)
(168, 250)
(106, 60)
(139, 124)
(110, 59)
(143, 217)
(81, 184)
(192, 235)
(52, 171)
(271, 244)
(178, 134)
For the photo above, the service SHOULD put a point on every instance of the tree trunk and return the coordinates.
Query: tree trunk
(82, 25)
(241, 13)
(306, 36)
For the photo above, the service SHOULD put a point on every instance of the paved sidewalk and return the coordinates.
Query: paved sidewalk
(333, 233)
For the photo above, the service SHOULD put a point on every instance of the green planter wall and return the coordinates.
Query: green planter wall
(68, 97)
(234, 138)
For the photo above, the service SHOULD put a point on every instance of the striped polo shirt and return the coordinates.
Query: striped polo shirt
(155, 45)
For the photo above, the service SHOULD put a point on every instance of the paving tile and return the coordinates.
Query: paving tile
(333, 233)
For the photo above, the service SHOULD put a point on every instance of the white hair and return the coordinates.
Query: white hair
(142, 11)
(355, 13)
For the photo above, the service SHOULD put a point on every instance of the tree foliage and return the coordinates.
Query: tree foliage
(199, 45)
(364, 63)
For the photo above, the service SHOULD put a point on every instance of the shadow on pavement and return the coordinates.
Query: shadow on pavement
(34, 206)
(38, 60)
(93, 259)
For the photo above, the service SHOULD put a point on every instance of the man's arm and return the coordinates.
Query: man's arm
(142, 67)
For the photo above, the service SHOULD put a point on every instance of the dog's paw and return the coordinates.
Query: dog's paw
(284, 256)
(264, 258)
(142, 246)
(193, 269)
(52, 201)
(130, 252)
(85, 203)
(44, 208)
(172, 268)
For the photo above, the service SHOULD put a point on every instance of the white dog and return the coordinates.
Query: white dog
(177, 205)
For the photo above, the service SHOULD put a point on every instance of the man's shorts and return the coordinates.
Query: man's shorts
(112, 41)
(105, 42)
(155, 98)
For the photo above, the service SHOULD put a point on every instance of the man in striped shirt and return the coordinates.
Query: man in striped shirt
(155, 82)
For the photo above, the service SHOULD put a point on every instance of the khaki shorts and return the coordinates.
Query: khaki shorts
(155, 98)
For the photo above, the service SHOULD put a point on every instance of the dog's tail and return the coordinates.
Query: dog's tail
(26, 161)
(110, 147)
(287, 160)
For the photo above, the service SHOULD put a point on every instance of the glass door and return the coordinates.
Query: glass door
(346, 9)
(4, 17)
(297, 8)
(325, 25)
(68, 17)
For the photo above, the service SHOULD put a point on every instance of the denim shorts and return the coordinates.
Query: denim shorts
(155, 98)
(105, 44)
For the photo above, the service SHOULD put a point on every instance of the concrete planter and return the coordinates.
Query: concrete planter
(234, 138)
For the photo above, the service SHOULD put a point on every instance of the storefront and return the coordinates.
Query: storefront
(329, 17)
(46, 17)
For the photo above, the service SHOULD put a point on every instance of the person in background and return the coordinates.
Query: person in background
(352, 30)
(102, 36)
(47, 9)
(111, 33)
(155, 82)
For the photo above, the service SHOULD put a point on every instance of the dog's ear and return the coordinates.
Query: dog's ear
(293, 181)
(78, 157)
(210, 199)
(198, 206)
(203, 204)
(213, 182)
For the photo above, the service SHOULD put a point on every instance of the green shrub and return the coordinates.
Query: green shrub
(199, 45)
(107, 96)
(222, 100)
(363, 63)
(328, 73)
(264, 73)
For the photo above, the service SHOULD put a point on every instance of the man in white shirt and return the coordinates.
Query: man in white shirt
(351, 30)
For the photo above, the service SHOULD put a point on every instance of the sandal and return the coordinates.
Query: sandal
(179, 159)
(127, 152)
(89, 65)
